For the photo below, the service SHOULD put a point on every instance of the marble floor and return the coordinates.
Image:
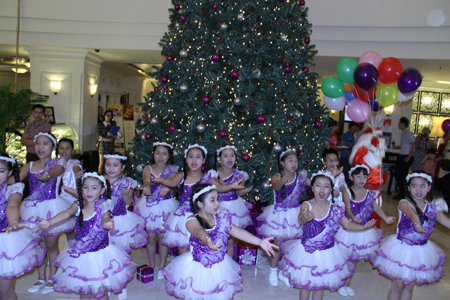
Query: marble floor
(367, 283)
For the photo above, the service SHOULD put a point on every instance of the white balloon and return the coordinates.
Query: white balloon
(334, 103)
(402, 97)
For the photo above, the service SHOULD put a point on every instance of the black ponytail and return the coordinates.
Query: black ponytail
(80, 200)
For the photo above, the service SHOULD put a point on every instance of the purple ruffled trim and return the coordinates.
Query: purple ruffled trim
(152, 218)
(29, 267)
(183, 285)
(30, 247)
(321, 287)
(90, 291)
(367, 256)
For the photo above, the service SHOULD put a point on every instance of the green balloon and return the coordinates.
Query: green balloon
(387, 94)
(332, 87)
(345, 69)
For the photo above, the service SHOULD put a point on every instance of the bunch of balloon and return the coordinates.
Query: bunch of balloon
(369, 85)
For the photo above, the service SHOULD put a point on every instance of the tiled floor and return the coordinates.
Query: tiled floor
(367, 283)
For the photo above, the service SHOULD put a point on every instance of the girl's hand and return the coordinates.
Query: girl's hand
(369, 224)
(44, 177)
(336, 193)
(267, 246)
(164, 191)
(337, 172)
(281, 182)
(156, 178)
(127, 192)
(207, 240)
(16, 226)
(70, 190)
(356, 220)
(306, 217)
(108, 225)
(146, 191)
(390, 220)
(418, 228)
(238, 185)
(246, 190)
(43, 224)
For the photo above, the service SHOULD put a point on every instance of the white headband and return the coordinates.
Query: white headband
(356, 167)
(121, 157)
(226, 147)
(9, 159)
(423, 175)
(93, 174)
(195, 146)
(288, 150)
(156, 144)
(47, 135)
(322, 173)
(204, 190)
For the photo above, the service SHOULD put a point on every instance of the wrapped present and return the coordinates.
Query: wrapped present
(247, 255)
(144, 273)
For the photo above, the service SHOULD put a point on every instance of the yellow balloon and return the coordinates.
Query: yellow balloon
(387, 94)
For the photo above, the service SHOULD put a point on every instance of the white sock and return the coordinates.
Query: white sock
(273, 269)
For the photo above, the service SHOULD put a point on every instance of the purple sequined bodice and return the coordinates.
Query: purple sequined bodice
(120, 207)
(155, 197)
(319, 234)
(292, 193)
(86, 227)
(3, 204)
(364, 208)
(219, 234)
(185, 199)
(46, 190)
(405, 227)
(231, 195)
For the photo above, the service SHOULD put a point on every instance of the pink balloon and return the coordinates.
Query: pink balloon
(358, 110)
(371, 57)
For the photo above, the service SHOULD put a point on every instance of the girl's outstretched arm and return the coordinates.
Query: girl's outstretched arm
(172, 181)
(379, 211)
(44, 224)
(246, 236)
(224, 188)
(348, 225)
(13, 213)
(406, 208)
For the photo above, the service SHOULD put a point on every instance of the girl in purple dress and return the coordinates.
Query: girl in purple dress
(44, 177)
(313, 262)
(359, 207)
(157, 204)
(90, 265)
(408, 257)
(206, 272)
(229, 198)
(281, 218)
(19, 247)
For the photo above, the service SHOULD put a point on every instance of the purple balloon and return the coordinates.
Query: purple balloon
(409, 81)
(373, 104)
(366, 76)
(446, 125)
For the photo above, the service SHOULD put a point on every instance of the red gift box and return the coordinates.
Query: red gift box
(247, 255)
(144, 273)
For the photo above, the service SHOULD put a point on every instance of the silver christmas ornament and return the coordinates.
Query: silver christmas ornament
(257, 73)
(277, 147)
(237, 101)
(201, 128)
(154, 121)
(183, 88)
(297, 115)
(223, 26)
(139, 168)
(177, 25)
(283, 37)
(240, 17)
(183, 53)
(265, 185)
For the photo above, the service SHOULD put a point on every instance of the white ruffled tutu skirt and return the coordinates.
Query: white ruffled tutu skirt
(19, 253)
(188, 279)
(239, 211)
(363, 242)
(106, 270)
(176, 233)
(325, 269)
(46, 210)
(156, 214)
(129, 231)
(282, 225)
(420, 264)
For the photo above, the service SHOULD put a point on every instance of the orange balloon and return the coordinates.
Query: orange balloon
(347, 86)
(335, 74)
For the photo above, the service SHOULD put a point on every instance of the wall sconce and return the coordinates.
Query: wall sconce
(20, 70)
(55, 86)
(93, 89)
(389, 110)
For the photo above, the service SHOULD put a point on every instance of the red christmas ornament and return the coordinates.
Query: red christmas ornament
(170, 57)
(177, 7)
(148, 136)
(269, 83)
(220, 21)
(157, 89)
(260, 119)
(251, 9)
(148, 116)
(287, 69)
(307, 41)
(172, 128)
(283, 59)
(251, 104)
(165, 87)
(281, 22)
(291, 119)
(215, 57)
(215, 6)
(136, 139)
(204, 11)
(206, 99)
(170, 46)
(305, 69)
(164, 79)
(214, 86)
(301, 152)
(219, 41)
(302, 3)
(193, 69)
(234, 74)
(246, 157)
(223, 134)
(183, 18)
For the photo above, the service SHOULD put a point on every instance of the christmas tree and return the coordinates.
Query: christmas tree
(237, 72)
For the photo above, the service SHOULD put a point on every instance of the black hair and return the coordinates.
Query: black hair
(354, 124)
(280, 168)
(170, 150)
(80, 195)
(217, 159)
(50, 138)
(431, 151)
(186, 169)
(331, 182)
(329, 151)
(356, 172)
(128, 171)
(66, 140)
(194, 205)
(409, 197)
(333, 123)
(108, 111)
(38, 106)
(14, 168)
(405, 121)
